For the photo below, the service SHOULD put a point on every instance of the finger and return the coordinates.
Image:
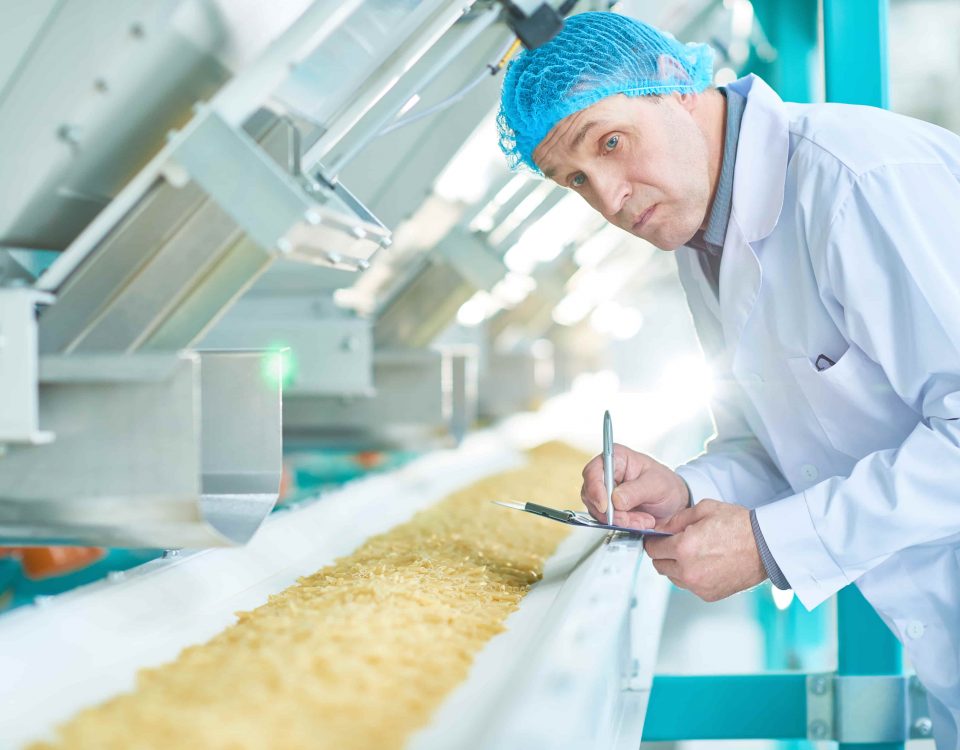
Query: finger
(627, 466)
(633, 519)
(681, 520)
(648, 488)
(669, 568)
(623, 458)
(661, 547)
(590, 504)
(594, 492)
(625, 463)
(593, 470)
(595, 512)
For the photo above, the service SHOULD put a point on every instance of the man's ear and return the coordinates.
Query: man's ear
(687, 99)
(670, 71)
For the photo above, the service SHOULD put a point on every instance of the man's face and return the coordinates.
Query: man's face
(640, 162)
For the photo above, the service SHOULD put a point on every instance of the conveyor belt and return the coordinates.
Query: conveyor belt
(170, 604)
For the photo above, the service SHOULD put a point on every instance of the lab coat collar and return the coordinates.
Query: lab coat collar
(761, 167)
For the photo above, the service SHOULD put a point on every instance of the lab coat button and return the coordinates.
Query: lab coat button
(809, 472)
(915, 629)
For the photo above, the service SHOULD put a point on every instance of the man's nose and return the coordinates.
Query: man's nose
(612, 194)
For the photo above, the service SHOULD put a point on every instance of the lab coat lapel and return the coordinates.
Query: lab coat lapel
(758, 186)
(740, 278)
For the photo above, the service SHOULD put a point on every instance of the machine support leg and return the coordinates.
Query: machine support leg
(855, 66)
(855, 51)
(865, 647)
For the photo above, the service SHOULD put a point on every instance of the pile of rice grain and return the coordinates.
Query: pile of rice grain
(360, 654)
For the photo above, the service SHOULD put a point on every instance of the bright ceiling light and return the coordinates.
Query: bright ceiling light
(477, 309)
(617, 321)
(572, 309)
(513, 289)
(725, 76)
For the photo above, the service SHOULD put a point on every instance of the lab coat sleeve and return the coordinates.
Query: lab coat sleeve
(735, 467)
(890, 259)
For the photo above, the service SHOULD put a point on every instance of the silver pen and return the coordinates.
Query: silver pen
(608, 463)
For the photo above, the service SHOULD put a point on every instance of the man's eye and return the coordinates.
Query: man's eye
(578, 180)
(612, 142)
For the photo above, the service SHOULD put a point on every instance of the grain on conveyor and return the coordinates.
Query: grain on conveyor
(361, 653)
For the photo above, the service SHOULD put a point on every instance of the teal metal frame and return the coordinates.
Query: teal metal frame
(727, 707)
(791, 29)
(856, 72)
(774, 706)
(855, 51)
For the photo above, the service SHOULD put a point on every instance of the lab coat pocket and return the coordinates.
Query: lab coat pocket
(854, 403)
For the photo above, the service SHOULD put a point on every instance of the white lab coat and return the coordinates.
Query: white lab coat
(844, 240)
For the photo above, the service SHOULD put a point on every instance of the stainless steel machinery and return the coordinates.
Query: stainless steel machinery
(173, 156)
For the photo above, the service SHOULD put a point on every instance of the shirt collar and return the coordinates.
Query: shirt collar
(761, 169)
(761, 162)
(710, 240)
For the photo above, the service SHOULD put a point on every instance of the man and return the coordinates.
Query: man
(817, 247)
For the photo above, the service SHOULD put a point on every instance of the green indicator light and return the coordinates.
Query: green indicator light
(279, 367)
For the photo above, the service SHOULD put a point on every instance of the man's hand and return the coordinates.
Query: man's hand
(712, 551)
(647, 491)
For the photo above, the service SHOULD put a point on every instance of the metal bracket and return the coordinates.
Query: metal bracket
(866, 708)
(271, 206)
(19, 415)
(535, 25)
(320, 182)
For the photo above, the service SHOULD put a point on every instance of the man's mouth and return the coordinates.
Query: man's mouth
(644, 218)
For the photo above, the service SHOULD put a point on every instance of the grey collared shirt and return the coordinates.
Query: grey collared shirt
(709, 241)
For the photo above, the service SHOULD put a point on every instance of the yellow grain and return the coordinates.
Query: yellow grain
(361, 653)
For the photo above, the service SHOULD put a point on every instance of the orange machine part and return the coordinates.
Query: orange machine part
(369, 459)
(49, 562)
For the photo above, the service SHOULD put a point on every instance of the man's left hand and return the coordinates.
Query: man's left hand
(712, 551)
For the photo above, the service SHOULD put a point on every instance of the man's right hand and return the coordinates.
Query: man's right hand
(647, 492)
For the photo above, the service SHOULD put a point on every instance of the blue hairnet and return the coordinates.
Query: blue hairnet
(596, 55)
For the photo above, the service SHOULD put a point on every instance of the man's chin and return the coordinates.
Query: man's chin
(669, 248)
(669, 244)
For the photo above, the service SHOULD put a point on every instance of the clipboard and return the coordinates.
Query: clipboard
(577, 518)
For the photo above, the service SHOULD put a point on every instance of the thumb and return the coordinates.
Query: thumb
(679, 521)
